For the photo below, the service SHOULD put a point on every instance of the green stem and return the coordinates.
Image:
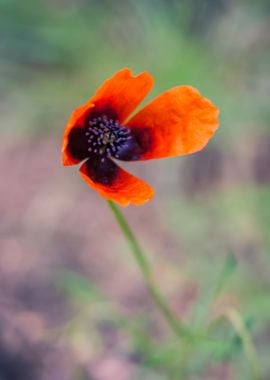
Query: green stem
(176, 325)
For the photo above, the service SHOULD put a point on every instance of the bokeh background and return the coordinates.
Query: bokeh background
(73, 304)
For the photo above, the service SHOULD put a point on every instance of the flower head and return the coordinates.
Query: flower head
(178, 122)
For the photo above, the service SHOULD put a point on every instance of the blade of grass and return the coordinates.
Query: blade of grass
(235, 319)
(202, 308)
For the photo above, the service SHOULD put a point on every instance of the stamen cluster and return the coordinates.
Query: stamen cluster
(106, 136)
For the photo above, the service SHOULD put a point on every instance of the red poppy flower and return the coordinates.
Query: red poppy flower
(179, 121)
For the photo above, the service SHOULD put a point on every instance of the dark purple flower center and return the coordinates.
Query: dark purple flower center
(103, 137)
(107, 137)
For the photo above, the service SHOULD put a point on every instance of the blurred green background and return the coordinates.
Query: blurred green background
(73, 304)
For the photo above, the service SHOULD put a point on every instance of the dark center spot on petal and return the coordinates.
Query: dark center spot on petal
(143, 138)
(103, 171)
(77, 144)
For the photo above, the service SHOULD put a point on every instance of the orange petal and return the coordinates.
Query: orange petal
(179, 121)
(115, 184)
(122, 93)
